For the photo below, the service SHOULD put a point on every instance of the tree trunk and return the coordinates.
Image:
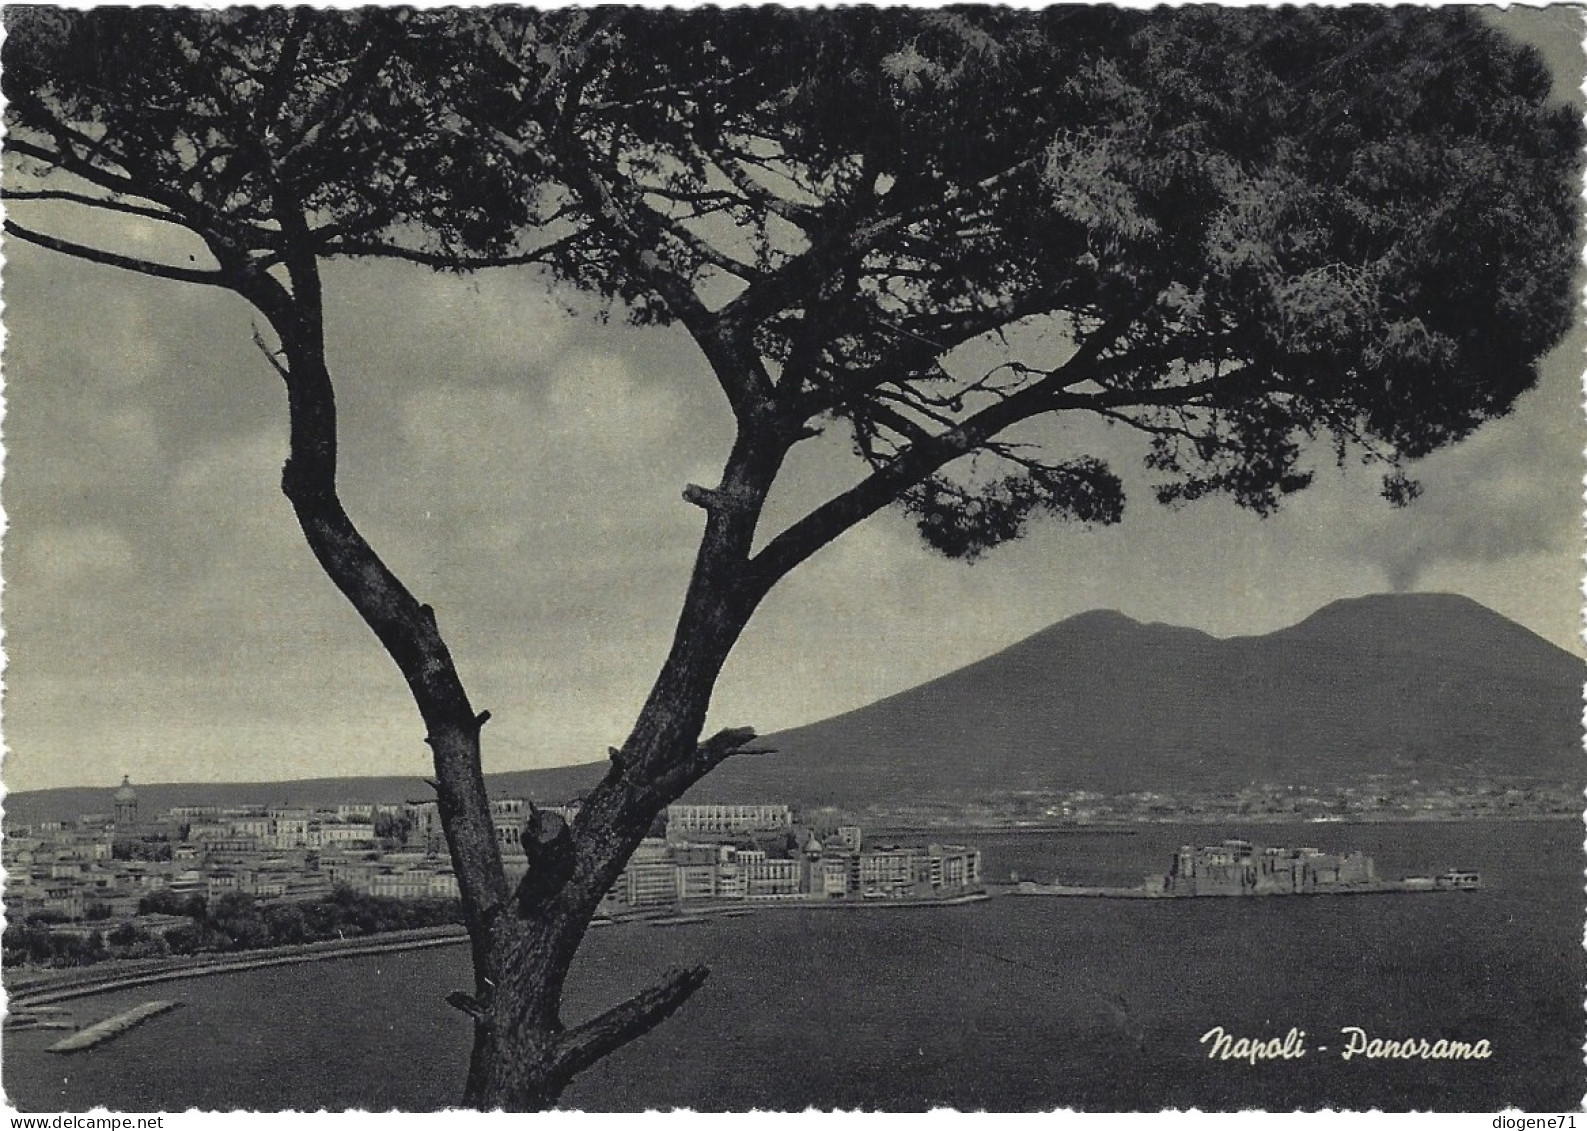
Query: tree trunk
(516, 1019)
(523, 1056)
(523, 941)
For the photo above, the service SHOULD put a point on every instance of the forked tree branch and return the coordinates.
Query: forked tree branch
(745, 385)
(580, 1047)
(923, 457)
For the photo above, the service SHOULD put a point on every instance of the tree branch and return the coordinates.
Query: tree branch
(405, 627)
(267, 114)
(724, 744)
(744, 384)
(803, 216)
(672, 779)
(581, 1047)
(76, 164)
(270, 356)
(109, 205)
(794, 283)
(636, 246)
(126, 263)
(141, 183)
(920, 459)
(354, 86)
(444, 260)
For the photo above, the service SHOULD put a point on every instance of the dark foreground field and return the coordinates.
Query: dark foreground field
(1017, 1004)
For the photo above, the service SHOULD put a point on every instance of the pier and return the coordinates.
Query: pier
(112, 1027)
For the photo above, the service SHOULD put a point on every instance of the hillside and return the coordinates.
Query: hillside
(1431, 686)
(550, 785)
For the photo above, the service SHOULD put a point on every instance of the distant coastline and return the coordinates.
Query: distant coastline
(1134, 827)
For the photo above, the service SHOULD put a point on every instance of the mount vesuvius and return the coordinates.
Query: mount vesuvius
(1429, 686)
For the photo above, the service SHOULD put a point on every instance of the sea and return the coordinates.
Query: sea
(1014, 1004)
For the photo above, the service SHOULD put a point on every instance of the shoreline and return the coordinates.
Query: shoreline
(38, 986)
(71, 984)
(1134, 828)
(49, 988)
(1067, 891)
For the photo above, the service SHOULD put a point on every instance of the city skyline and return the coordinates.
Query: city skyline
(164, 620)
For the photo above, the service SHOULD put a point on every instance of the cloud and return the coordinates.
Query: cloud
(1474, 528)
(65, 556)
(1511, 490)
(520, 468)
(393, 324)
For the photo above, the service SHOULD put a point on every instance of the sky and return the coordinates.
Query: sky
(520, 467)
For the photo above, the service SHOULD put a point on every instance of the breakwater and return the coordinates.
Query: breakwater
(1077, 891)
(112, 1027)
(801, 903)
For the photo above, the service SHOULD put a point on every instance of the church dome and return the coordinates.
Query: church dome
(126, 792)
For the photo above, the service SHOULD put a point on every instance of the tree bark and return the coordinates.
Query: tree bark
(523, 942)
(406, 628)
(523, 1056)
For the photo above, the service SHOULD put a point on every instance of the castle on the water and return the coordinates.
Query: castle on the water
(1238, 867)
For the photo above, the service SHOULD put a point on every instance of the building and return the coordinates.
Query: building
(413, 884)
(443, 885)
(333, 836)
(953, 867)
(424, 825)
(126, 802)
(730, 880)
(834, 877)
(289, 828)
(123, 829)
(769, 879)
(649, 884)
(696, 881)
(507, 815)
(188, 882)
(258, 826)
(723, 819)
(889, 871)
(1237, 867)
